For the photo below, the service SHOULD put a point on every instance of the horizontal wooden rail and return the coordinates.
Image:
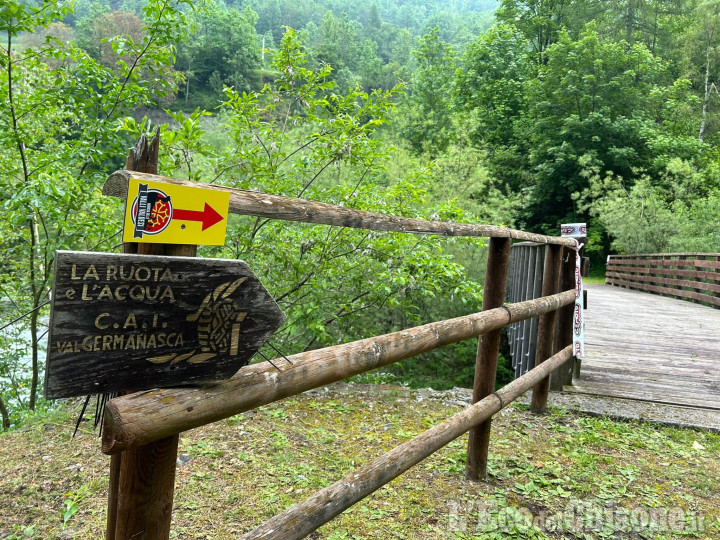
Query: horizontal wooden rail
(252, 203)
(690, 276)
(140, 418)
(691, 255)
(695, 274)
(673, 283)
(674, 263)
(304, 518)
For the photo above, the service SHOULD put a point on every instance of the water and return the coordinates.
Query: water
(18, 358)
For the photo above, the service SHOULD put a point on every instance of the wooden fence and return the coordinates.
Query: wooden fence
(141, 430)
(688, 276)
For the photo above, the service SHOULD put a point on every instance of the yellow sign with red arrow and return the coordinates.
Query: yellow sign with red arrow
(162, 213)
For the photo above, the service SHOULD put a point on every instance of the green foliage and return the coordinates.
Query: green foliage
(563, 111)
(491, 92)
(597, 103)
(71, 504)
(57, 137)
(561, 94)
(23, 533)
(655, 217)
(540, 21)
(700, 64)
(491, 83)
(561, 467)
(300, 137)
(427, 121)
(15, 377)
(593, 105)
(223, 49)
(657, 24)
(97, 32)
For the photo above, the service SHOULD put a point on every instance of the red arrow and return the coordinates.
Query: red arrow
(208, 216)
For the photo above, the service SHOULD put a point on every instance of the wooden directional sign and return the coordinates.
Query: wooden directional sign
(158, 212)
(131, 322)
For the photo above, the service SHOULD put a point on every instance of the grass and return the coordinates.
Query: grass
(561, 469)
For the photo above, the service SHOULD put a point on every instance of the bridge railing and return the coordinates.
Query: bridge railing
(688, 276)
(527, 261)
(141, 429)
(526, 275)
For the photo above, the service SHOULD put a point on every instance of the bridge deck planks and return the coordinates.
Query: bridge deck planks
(650, 348)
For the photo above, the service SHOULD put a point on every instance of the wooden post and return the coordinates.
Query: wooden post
(546, 326)
(487, 355)
(143, 158)
(145, 491)
(113, 484)
(564, 333)
(142, 480)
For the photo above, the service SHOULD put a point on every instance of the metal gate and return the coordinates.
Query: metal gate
(527, 260)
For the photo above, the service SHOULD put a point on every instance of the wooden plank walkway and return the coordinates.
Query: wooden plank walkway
(651, 348)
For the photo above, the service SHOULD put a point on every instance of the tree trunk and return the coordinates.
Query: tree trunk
(187, 82)
(630, 21)
(5, 415)
(706, 96)
(33, 316)
(35, 363)
(655, 32)
(35, 265)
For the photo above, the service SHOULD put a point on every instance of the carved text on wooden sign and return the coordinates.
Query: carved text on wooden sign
(130, 322)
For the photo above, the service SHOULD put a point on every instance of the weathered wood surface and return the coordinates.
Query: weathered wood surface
(303, 518)
(639, 272)
(145, 491)
(129, 322)
(701, 260)
(564, 333)
(694, 277)
(252, 203)
(145, 513)
(650, 348)
(144, 417)
(487, 355)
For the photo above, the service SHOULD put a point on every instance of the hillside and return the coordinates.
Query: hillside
(237, 473)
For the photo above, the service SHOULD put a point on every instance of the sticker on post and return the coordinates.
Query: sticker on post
(577, 231)
(574, 230)
(159, 212)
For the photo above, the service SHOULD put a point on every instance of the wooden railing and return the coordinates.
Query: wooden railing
(141, 429)
(688, 276)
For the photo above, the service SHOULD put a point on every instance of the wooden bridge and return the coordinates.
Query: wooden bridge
(649, 349)
(646, 347)
(652, 348)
